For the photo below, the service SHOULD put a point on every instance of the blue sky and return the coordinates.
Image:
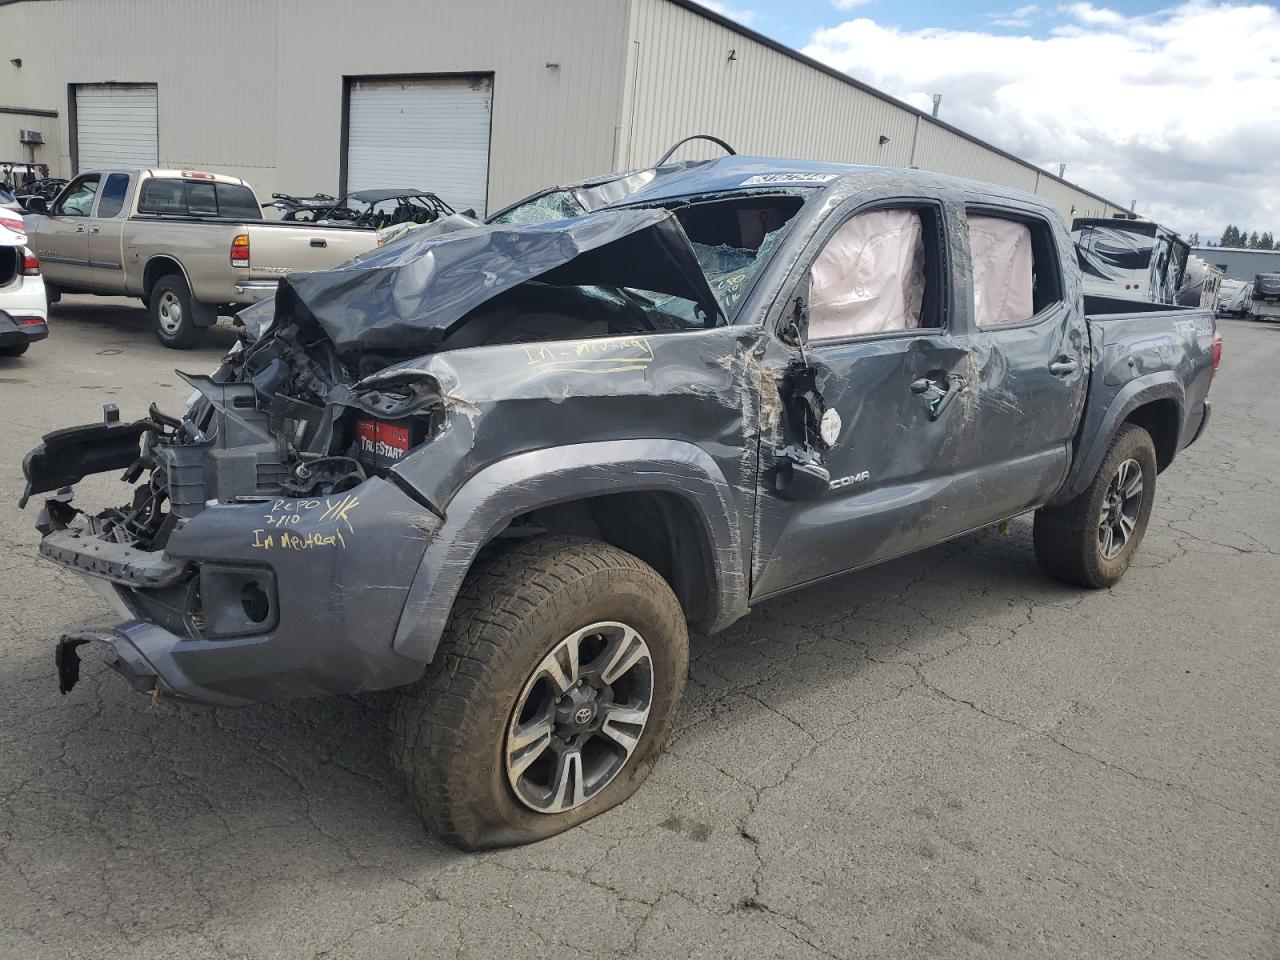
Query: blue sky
(794, 22)
(1174, 106)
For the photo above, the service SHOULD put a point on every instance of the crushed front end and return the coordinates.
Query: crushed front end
(265, 550)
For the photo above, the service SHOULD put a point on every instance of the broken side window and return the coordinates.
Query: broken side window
(734, 237)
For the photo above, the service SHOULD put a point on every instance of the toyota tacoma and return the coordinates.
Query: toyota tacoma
(502, 469)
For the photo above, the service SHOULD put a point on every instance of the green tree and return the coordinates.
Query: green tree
(1268, 241)
(1230, 236)
(1194, 239)
(1255, 241)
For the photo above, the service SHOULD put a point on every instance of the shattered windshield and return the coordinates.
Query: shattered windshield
(556, 205)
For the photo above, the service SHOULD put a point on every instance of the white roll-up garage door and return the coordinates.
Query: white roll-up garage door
(116, 125)
(427, 134)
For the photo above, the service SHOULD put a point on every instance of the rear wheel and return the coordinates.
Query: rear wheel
(1091, 540)
(550, 697)
(14, 350)
(173, 314)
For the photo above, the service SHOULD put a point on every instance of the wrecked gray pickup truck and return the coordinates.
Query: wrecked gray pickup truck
(500, 468)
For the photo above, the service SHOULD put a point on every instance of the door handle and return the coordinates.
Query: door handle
(317, 242)
(95, 229)
(1063, 366)
(939, 394)
(80, 228)
(956, 385)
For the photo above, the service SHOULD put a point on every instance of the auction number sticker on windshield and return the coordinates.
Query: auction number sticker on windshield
(762, 179)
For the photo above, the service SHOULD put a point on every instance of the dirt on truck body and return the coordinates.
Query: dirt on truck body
(500, 468)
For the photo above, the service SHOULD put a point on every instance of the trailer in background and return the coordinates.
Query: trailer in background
(1129, 259)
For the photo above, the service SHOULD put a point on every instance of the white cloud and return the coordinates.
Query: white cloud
(1179, 109)
(743, 16)
(850, 4)
(1090, 15)
(1022, 17)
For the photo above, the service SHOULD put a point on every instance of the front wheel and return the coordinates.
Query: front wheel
(550, 698)
(172, 313)
(1091, 540)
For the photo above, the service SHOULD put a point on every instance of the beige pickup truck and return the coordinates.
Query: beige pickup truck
(192, 245)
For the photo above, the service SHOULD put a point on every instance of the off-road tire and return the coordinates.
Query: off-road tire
(449, 729)
(186, 334)
(14, 350)
(1066, 537)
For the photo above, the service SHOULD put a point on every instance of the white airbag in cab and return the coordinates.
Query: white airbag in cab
(869, 277)
(1003, 271)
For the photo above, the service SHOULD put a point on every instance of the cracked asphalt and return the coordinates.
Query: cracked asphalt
(945, 756)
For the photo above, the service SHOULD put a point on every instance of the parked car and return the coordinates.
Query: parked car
(192, 245)
(508, 498)
(9, 203)
(1266, 296)
(24, 314)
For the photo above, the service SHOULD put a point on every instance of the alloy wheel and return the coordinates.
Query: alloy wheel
(1120, 507)
(579, 717)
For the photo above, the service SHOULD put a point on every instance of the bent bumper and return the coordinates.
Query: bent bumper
(335, 601)
(251, 291)
(19, 328)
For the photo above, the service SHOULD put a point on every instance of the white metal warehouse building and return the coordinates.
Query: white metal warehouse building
(481, 101)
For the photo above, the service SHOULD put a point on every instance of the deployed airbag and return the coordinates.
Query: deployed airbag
(869, 277)
(1003, 271)
(405, 297)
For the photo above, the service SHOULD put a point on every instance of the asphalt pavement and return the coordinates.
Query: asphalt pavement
(946, 756)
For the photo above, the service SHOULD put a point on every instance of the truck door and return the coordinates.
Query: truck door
(62, 239)
(1029, 371)
(105, 254)
(878, 395)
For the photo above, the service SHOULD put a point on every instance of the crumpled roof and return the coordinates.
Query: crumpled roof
(405, 296)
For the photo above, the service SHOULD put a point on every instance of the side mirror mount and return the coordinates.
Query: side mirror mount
(38, 205)
(800, 474)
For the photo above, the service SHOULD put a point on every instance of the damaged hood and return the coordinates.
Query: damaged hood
(404, 297)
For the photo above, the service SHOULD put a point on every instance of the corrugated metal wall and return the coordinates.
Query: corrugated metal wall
(1241, 264)
(50, 127)
(255, 87)
(581, 87)
(690, 74)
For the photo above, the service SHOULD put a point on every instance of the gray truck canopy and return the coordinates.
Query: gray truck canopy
(404, 297)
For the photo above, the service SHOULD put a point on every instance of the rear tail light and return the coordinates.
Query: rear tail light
(12, 223)
(30, 263)
(29, 321)
(240, 250)
(1217, 351)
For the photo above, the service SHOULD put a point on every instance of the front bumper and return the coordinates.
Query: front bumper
(339, 568)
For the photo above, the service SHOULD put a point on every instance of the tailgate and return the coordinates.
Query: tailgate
(282, 248)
